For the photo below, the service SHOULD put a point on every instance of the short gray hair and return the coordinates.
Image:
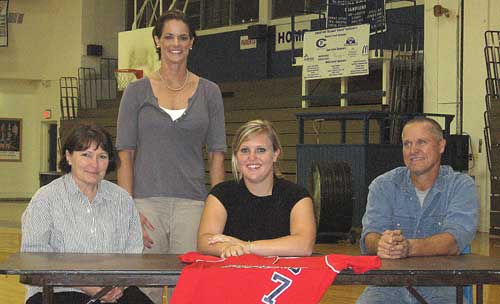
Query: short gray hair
(435, 126)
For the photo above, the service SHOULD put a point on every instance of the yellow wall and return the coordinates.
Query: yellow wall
(441, 78)
(46, 44)
(26, 99)
(101, 23)
(49, 44)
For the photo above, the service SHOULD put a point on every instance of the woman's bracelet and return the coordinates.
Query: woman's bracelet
(250, 246)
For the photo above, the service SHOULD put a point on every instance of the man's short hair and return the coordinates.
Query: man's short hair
(435, 126)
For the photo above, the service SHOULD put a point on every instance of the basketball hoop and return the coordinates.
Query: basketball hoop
(126, 76)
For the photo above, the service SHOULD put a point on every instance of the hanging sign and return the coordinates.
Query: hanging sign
(246, 43)
(342, 13)
(340, 52)
(4, 24)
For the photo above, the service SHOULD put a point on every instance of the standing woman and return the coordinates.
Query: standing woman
(164, 122)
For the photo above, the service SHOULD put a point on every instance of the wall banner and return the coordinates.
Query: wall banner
(342, 13)
(4, 24)
(283, 39)
(340, 52)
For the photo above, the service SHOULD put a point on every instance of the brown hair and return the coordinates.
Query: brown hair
(174, 14)
(81, 138)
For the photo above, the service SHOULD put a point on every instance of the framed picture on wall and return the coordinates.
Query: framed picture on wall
(10, 139)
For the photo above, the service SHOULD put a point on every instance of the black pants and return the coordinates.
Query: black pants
(131, 295)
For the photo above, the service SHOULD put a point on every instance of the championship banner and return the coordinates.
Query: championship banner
(342, 13)
(332, 53)
(4, 27)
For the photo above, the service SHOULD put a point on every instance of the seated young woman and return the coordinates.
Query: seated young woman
(259, 212)
(81, 212)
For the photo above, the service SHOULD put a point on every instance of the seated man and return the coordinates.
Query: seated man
(423, 209)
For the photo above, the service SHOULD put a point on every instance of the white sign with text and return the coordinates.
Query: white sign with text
(340, 52)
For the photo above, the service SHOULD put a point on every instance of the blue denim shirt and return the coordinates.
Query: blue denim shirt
(450, 206)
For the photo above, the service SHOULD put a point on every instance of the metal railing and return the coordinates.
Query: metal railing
(90, 87)
(68, 91)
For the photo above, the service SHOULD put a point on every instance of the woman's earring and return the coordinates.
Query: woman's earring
(191, 48)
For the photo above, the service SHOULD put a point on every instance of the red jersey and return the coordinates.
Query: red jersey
(256, 279)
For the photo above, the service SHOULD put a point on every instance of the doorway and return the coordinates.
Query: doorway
(52, 159)
(48, 146)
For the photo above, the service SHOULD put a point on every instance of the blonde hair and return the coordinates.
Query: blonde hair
(248, 130)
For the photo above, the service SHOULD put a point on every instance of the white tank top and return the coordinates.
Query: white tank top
(174, 114)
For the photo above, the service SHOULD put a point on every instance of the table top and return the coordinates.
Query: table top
(90, 263)
(66, 269)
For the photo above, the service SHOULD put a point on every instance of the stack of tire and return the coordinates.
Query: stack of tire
(330, 186)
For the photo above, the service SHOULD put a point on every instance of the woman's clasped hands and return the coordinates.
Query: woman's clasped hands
(232, 246)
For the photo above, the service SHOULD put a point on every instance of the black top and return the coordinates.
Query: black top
(251, 217)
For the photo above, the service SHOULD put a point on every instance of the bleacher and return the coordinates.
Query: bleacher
(277, 100)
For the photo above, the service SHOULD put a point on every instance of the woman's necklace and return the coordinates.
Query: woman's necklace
(175, 89)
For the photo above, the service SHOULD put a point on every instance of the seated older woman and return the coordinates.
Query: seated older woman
(81, 212)
(259, 213)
